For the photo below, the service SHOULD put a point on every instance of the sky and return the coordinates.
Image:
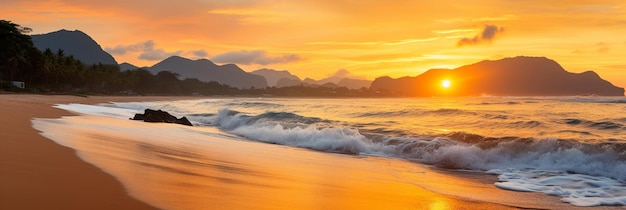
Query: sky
(367, 38)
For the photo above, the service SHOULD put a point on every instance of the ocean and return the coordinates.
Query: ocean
(570, 147)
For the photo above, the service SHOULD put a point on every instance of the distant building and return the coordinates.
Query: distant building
(19, 84)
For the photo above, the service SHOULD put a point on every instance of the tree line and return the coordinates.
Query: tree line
(55, 72)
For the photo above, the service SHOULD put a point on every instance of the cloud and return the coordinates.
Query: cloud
(486, 36)
(200, 53)
(343, 73)
(253, 57)
(157, 54)
(123, 49)
(147, 51)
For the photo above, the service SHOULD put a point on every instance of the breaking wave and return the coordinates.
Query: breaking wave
(579, 169)
(456, 150)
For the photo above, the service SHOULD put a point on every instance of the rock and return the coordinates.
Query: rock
(150, 115)
(183, 121)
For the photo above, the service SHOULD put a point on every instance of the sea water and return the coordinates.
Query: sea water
(571, 147)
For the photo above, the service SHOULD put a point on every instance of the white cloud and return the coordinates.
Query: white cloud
(147, 51)
(253, 57)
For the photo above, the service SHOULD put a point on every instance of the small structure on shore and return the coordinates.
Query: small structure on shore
(150, 115)
(18, 84)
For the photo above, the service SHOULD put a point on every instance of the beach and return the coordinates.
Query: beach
(37, 173)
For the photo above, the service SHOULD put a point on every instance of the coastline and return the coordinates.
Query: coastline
(36, 173)
(36, 168)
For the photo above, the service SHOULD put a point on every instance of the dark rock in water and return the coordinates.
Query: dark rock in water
(150, 115)
(184, 121)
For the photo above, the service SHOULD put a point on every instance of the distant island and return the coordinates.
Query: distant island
(72, 62)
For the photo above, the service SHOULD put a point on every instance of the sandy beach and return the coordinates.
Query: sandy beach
(37, 173)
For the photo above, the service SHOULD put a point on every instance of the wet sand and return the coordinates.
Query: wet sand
(36, 173)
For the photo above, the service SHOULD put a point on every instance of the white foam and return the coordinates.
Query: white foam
(340, 139)
(577, 189)
(99, 110)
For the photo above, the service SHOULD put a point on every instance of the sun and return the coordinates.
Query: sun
(445, 83)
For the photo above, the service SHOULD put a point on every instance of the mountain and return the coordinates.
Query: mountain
(518, 76)
(339, 82)
(286, 82)
(127, 66)
(75, 43)
(333, 80)
(285, 79)
(354, 83)
(205, 70)
(273, 76)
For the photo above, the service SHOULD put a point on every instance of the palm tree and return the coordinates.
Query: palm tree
(13, 62)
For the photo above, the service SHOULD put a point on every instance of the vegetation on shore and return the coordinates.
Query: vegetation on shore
(51, 72)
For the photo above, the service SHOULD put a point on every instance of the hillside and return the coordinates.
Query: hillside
(205, 70)
(75, 43)
(518, 76)
(273, 76)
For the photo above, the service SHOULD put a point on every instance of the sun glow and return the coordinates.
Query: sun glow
(446, 83)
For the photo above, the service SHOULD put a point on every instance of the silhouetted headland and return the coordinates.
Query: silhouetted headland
(518, 76)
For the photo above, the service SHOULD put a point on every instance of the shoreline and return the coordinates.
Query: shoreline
(37, 168)
(37, 173)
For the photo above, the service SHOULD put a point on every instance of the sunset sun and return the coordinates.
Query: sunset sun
(446, 83)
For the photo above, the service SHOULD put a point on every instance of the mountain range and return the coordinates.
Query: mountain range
(283, 78)
(518, 76)
(205, 70)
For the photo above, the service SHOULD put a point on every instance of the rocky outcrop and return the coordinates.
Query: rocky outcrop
(150, 115)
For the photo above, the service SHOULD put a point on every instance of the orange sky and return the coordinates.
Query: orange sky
(315, 38)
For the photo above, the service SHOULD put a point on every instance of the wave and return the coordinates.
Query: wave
(496, 103)
(383, 114)
(254, 104)
(448, 112)
(495, 116)
(598, 100)
(524, 124)
(602, 125)
(456, 150)
(575, 162)
(577, 189)
(417, 112)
